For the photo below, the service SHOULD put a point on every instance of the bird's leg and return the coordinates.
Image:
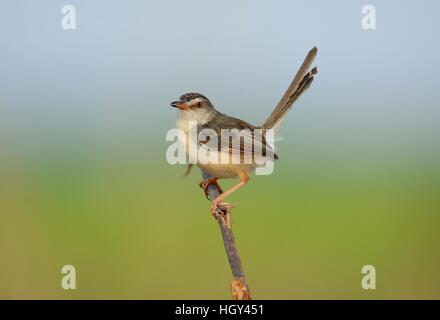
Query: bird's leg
(225, 210)
(206, 183)
(218, 202)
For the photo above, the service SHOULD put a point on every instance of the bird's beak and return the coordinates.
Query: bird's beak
(180, 105)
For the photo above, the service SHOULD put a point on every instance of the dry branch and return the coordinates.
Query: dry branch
(239, 286)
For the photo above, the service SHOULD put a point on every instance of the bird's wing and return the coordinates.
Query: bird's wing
(300, 83)
(239, 139)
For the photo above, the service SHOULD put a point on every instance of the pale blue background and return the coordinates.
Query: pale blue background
(114, 76)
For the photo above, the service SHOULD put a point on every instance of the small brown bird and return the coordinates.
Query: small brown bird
(197, 109)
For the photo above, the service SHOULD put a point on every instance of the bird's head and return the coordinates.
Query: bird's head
(195, 106)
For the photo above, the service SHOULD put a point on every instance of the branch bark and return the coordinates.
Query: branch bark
(239, 286)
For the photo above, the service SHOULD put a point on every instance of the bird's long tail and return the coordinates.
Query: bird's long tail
(300, 83)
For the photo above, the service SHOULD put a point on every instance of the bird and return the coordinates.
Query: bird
(196, 110)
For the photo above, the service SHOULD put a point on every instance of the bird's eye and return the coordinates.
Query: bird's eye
(199, 104)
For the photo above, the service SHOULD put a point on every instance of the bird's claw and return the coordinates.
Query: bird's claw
(206, 183)
(225, 211)
(223, 206)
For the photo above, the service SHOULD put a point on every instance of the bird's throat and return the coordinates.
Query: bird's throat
(200, 116)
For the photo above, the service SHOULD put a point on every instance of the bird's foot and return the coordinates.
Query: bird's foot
(225, 211)
(206, 183)
(223, 206)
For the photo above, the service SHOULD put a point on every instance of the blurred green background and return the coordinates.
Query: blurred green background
(83, 176)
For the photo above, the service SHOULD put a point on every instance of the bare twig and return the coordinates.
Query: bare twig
(239, 287)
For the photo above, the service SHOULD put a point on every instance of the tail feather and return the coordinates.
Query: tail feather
(300, 83)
